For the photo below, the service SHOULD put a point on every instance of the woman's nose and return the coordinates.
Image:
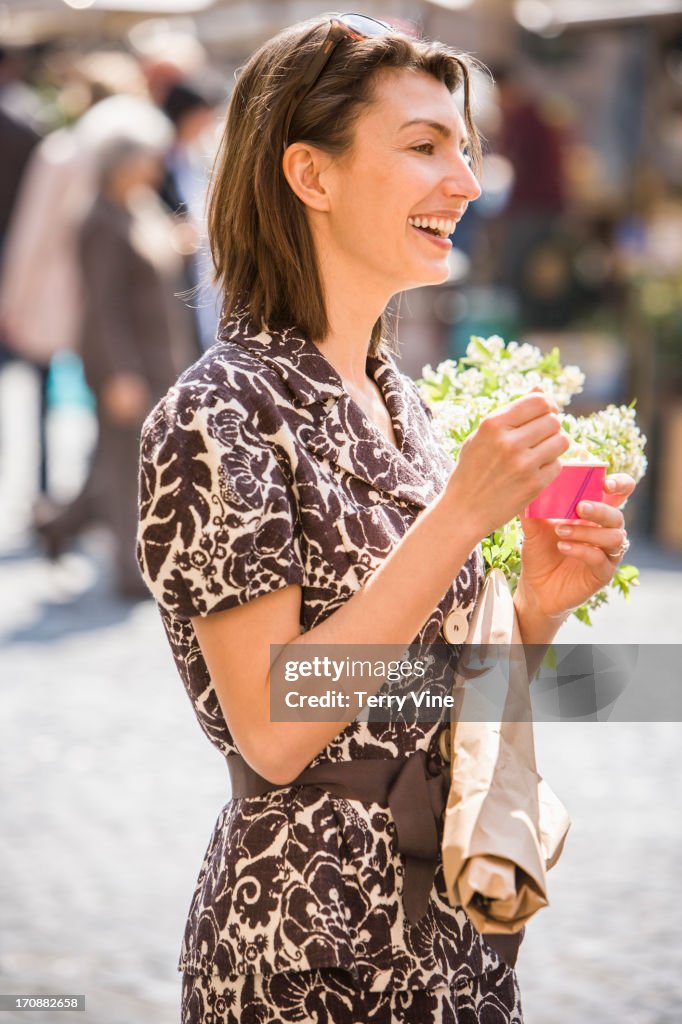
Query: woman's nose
(462, 181)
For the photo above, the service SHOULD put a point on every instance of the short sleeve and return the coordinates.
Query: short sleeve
(217, 513)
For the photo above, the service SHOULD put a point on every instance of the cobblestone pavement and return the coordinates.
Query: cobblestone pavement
(109, 792)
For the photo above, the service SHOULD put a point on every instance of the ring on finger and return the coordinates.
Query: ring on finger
(617, 555)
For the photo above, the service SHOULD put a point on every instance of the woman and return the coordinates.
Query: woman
(292, 493)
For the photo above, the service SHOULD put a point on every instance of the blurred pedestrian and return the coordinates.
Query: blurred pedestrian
(167, 57)
(18, 139)
(135, 333)
(534, 147)
(41, 313)
(192, 110)
(18, 96)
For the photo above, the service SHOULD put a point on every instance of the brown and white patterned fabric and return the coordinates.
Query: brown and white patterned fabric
(258, 470)
(326, 995)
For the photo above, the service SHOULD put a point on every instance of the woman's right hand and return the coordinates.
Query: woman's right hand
(511, 456)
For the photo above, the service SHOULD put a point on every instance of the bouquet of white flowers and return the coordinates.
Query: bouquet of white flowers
(461, 393)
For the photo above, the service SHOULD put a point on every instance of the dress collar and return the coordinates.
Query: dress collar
(305, 369)
(334, 427)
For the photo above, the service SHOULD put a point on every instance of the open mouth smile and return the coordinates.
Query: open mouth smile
(436, 229)
(441, 227)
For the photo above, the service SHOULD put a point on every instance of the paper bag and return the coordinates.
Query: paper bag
(504, 827)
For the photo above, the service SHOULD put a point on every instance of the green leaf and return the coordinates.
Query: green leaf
(630, 573)
(437, 390)
(491, 380)
(481, 347)
(550, 659)
(550, 363)
(583, 614)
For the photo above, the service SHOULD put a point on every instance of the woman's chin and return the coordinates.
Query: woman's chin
(429, 276)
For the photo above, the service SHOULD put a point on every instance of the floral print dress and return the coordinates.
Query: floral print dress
(257, 471)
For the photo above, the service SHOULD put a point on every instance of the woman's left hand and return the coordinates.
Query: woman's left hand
(557, 578)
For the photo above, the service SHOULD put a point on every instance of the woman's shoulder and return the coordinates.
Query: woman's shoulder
(227, 383)
(228, 369)
(214, 488)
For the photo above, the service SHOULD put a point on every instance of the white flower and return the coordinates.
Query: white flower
(461, 393)
(492, 374)
(611, 434)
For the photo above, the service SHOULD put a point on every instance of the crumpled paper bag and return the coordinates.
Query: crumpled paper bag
(504, 827)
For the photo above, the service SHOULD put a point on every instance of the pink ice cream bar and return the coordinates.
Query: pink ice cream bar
(577, 481)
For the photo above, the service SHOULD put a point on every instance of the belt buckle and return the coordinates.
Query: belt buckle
(444, 744)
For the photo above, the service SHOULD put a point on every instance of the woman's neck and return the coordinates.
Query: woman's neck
(352, 311)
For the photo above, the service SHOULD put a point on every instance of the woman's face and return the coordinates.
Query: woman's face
(141, 169)
(407, 167)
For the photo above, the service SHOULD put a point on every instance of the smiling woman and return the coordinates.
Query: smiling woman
(257, 201)
(293, 493)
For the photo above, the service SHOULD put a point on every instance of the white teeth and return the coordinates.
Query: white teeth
(442, 225)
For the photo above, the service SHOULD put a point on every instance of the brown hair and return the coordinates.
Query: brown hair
(261, 244)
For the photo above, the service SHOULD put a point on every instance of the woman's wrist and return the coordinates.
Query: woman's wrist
(458, 508)
(536, 626)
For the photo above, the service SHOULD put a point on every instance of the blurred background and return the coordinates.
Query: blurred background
(110, 112)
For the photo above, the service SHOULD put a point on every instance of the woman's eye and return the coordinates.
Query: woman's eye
(466, 156)
(424, 147)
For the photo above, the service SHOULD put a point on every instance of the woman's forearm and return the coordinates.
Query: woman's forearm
(388, 612)
(399, 598)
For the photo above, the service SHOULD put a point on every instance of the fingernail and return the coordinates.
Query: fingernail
(563, 546)
(611, 484)
(564, 531)
(585, 507)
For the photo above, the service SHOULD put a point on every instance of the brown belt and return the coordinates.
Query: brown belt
(416, 798)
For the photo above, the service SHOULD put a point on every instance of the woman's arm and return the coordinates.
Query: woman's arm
(510, 458)
(389, 610)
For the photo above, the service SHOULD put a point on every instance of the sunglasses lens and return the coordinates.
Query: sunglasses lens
(363, 26)
(354, 26)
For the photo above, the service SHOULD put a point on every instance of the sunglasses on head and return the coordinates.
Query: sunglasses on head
(345, 26)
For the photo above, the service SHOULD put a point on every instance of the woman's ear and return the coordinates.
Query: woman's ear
(304, 166)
